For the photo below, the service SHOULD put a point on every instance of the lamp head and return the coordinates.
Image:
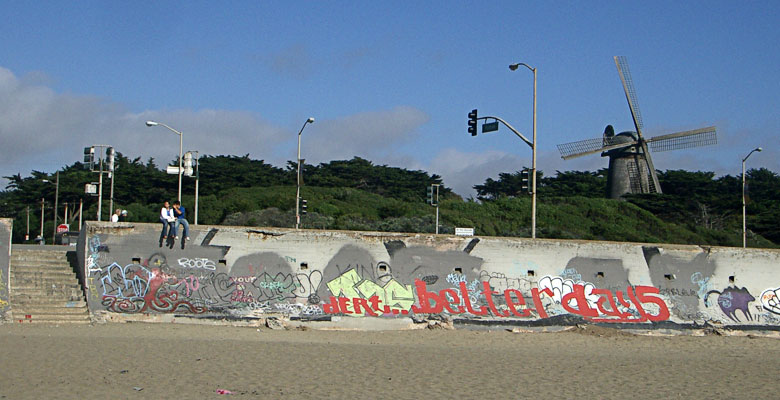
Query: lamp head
(310, 120)
(758, 149)
(151, 123)
(514, 67)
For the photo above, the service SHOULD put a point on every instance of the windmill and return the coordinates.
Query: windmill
(631, 168)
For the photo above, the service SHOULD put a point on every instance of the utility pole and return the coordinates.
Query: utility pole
(42, 240)
(56, 206)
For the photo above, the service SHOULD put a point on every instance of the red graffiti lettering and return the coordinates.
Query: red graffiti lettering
(625, 307)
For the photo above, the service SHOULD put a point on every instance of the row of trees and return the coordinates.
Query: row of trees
(356, 194)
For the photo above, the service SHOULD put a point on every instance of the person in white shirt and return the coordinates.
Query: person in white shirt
(115, 215)
(167, 219)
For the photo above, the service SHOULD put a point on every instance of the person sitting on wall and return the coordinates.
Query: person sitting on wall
(123, 216)
(167, 219)
(115, 215)
(181, 219)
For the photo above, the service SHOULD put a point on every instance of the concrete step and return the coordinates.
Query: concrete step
(51, 318)
(48, 302)
(48, 276)
(60, 298)
(37, 310)
(32, 294)
(42, 309)
(36, 260)
(22, 287)
(40, 252)
(43, 274)
(43, 270)
(44, 281)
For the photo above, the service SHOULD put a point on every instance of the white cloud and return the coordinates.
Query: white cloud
(372, 135)
(462, 170)
(44, 130)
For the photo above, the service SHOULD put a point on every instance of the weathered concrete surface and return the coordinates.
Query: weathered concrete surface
(247, 273)
(6, 225)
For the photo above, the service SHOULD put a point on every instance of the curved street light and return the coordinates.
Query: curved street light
(744, 212)
(152, 123)
(514, 67)
(310, 120)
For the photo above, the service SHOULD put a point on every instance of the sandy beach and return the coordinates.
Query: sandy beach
(157, 361)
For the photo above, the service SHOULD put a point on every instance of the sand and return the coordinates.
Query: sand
(160, 361)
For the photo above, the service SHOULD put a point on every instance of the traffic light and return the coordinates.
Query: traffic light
(430, 195)
(473, 122)
(303, 206)
(110, 158)
(524, 186)
(187, 163)
(89, 156)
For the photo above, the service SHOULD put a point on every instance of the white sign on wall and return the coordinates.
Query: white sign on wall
(464, 231)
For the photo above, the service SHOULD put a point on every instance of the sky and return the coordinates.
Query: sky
(389, 81)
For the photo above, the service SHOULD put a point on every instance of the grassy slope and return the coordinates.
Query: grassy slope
(561, 217)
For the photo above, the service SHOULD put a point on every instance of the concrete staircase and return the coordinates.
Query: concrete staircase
(44, 287)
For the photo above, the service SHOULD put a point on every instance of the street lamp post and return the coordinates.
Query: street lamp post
(298, 190)
(744, 211)
(152, 123)
(514, 67)
(56, 205)
(42, 240)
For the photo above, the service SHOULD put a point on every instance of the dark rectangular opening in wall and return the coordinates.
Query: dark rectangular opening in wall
(136, 260)
(669, 277)
(304, 265)
(599, 274)
(383, 268)
(459, 270)
(222, 262)
(731, 279)
(531, 272)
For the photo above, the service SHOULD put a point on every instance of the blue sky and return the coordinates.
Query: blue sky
(388, 81)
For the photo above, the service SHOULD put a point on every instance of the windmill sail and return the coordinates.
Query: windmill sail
(590, 146)
(684, 140)
(628, 87)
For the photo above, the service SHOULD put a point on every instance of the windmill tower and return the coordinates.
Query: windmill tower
(631, 168)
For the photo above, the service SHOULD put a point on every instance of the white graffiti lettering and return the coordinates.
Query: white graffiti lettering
(202, 263)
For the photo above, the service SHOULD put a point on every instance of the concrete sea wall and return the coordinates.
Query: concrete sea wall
(6, 225)
(244, 273)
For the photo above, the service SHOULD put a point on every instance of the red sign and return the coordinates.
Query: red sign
(61, 228)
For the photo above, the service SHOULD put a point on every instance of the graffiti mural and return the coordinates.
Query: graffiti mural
(732, 299)
(411, 280)
(237, 273)
(770, 300)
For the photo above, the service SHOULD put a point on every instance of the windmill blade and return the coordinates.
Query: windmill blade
(590, 146)
(684, 140)
(628, 87)
(656, 184)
